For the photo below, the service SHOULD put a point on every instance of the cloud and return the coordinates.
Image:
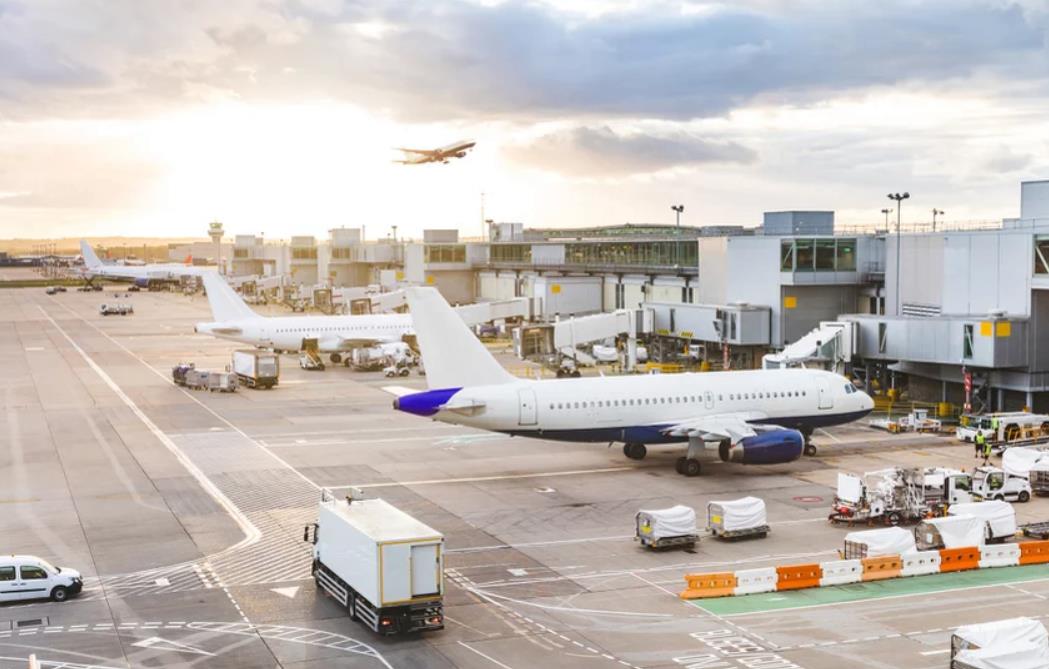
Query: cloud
(448, 59)
(600, 151)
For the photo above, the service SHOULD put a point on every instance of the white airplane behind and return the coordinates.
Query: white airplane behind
(235, 320)
(439, 155)
(751, 417)
(139, 274)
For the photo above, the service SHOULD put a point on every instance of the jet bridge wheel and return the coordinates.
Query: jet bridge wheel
(635, 451)
(688, 466)
(810, 448)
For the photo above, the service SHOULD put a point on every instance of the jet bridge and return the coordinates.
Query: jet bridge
(564, 337)
(830, 346)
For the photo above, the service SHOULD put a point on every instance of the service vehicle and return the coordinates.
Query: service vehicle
(1038, 477)
(25, 577)
(51, 290)
(396, 370)
(999, 518)
(899, 494)
(311, 362)
(995, 483)
(738, 518)
(385, 567)
(1012, 426)
(256, 368)
(664, 528)
(116, 309)
(916, 421)
(178, 372)
(196, 379)
(367, 359)
(133, 288)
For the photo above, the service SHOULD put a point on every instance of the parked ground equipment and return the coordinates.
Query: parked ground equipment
(1039, 477)
(995, 483)
(384, 566)
(371, 359)
(665, 528)
(1012, 426)
(116, 309)
(256, 369)
(311, 362)
(738, 518)
(949, 532)
(1017, 643)
(999, 518)
(223, 382)
(916, 421)
(26, 577)
(896, 495)
(178, 372)
(400, 369)
(1036, 530)
(879, 542)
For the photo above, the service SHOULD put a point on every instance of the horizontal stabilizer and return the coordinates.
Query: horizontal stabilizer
(399, 391)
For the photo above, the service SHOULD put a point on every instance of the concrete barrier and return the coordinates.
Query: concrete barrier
(1034, 552)
(841, 572)
(1000, 555)
(701, 586)
(959, 559)
(921, 563)
(753, 581)
(882, 567)
(798, 576)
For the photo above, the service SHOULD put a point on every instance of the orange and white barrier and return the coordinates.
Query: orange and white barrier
(841, 572)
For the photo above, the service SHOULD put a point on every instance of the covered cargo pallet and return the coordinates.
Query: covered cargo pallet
(999, 517)
(1017, 656)
(880, 542)
(1016, 643)
(662, 528)
(737, 518)
(949, 532)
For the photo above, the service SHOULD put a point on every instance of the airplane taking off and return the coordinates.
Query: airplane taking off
(139, 274)
(750, 417)
(438, 155)
(235, 320)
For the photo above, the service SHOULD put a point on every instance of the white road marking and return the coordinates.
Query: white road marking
(936, 652)
(477, 479)
(487, 657)
(287, 592)
(159, 643)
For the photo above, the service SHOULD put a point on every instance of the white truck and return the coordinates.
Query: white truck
(898, 494)
(118, 309)
(996, 483)
(384, 566)
(1012, 426)
(256, 369)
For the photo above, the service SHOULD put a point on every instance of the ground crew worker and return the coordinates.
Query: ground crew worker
(994, 429)
(978, 443)
(986, 451)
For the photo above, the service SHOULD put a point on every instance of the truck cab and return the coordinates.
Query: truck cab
(993, 483)
(25, 577)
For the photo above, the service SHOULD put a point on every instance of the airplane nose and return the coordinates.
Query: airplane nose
(867, 401)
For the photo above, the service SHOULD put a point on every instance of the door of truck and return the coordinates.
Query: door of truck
(426, 570)
(959, 489)
(528, 410)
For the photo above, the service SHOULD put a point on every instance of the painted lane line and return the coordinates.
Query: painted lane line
(479, 479)
(487, 657)
(936, 652)
(251, 533)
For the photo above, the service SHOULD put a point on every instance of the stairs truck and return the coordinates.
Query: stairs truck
(385, 567)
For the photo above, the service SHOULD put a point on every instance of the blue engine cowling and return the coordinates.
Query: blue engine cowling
(765, 448)
(142, 282)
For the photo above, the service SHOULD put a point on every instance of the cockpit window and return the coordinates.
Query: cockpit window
(849, 388)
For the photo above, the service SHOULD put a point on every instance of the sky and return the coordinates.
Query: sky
(281, 117)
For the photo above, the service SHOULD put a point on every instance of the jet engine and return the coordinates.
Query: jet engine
(765, 448)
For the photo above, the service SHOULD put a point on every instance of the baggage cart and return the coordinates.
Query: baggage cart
(737, 519)
(1036, 530)
(223, 382)
(665, 528)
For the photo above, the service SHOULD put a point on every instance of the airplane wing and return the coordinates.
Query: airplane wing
(417, 161)
(731, 426)
(399, 391)
(425, 152)
(346, 343)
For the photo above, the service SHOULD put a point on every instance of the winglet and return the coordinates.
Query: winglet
(454, 357)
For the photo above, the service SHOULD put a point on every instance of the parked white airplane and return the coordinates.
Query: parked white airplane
(139, 274)
(235, 320)
(439, 155)
(751, 417)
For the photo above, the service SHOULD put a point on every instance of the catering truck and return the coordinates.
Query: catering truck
(256, 369)
(384, 566)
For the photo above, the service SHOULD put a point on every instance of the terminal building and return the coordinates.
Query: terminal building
(922, 309)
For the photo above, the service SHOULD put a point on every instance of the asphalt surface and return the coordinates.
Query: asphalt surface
(185, 511)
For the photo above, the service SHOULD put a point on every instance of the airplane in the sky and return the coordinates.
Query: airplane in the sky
(750, 417)
(335, 335)
(141, 275)
(439, 155)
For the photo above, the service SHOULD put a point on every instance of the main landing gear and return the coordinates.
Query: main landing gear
(810, 448)
(635, 451)
(688, 466)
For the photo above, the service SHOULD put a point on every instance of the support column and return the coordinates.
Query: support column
(1001, 400)
(1029, 401)
(943, 391)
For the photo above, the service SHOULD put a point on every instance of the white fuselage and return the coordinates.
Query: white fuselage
(156, 272)
(332, 333)
(638, 408)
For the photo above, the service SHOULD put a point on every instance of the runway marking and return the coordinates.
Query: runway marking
(487, 657)
(942, 651)
(477, 479)
(251, 533)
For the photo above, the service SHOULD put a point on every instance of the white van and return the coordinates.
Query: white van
(25, 577)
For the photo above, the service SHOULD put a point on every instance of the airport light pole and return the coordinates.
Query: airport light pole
(886, 212)
(935, 212)
(678, 209)
(898, 198)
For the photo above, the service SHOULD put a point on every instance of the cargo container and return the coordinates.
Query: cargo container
(256, 369)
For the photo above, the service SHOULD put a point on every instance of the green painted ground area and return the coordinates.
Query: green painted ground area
(914, 585)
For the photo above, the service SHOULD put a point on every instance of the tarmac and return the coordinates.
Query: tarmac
(185, 511)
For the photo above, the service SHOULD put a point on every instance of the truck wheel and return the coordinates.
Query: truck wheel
(351, 606)
(59, 593)
(1024, 497)
(894, 518)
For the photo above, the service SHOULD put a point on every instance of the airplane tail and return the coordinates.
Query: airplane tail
(453, 356)
(226, 305)
(91, 260)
